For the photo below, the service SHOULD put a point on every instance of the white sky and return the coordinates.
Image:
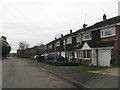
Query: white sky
(39, 21)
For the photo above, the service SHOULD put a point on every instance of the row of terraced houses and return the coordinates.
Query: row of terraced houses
(91, 45)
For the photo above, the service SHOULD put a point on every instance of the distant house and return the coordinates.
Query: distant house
(30, 52)
(65, 46)
(21, 53)
(94, 45)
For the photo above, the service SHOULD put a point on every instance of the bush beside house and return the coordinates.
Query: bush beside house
(4, 45)
(5, 50)
(40, 58)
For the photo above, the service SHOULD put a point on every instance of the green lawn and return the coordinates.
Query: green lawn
(87, 68)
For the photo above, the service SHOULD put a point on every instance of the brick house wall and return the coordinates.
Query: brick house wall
(116, 46)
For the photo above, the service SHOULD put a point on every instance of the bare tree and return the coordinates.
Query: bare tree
(23, 45)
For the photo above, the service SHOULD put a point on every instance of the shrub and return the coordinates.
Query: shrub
(62, 63)
(5, 50)
(87, 68)
(40, 58)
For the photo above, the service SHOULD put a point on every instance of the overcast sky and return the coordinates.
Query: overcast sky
(40, 21)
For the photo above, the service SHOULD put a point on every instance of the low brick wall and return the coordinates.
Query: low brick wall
(85, 62)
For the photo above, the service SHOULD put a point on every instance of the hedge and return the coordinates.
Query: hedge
(62, 63)
(5, 50)
(40, 58)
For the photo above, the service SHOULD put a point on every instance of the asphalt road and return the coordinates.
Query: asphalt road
(18, 73)
(0, 73)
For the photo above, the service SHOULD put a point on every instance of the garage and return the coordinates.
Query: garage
(104, 57)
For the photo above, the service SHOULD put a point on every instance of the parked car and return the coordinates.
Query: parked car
(35, 56)
(43, 54)
(54, 56)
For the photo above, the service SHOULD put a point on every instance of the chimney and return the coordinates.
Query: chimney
(3, 38)
(55, 38)
(104, 17)
(61, 35)
(70, 31)
(84, 25)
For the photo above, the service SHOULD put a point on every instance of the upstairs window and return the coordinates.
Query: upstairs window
(50, 46)
(78, 38)
(58, 43)
(53, 45)
(108, 32)
(86, 36)
(63, 42)
(45, 47)
(69, 40)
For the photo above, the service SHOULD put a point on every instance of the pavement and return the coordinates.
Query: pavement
(81, 79)
(108, 71)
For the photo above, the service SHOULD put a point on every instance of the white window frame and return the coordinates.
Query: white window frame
(69, 40)
(50, 46)
(63, 42)
(45, 47)
(58, 43)
(85, 58)
(86, 34)
(78, 38)
(110, 30)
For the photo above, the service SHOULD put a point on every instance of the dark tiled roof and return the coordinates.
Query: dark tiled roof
(98, 44)
(97, 25)
(103, 23)
(51, 42)
(105, 43)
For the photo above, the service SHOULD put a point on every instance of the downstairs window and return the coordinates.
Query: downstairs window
(86, 54)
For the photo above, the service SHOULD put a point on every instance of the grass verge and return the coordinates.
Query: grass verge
(87, 68)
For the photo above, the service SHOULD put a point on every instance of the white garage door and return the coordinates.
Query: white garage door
(104, 57)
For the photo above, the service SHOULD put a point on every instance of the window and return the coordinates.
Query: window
(86, 36)
(45, 47)
(78, 39)
(67, 54)
(53, 45)
(50, 46)
(86, 54)
(63, 42)
(108, 32)
(72, 54)
(69, 40)
(58, 43)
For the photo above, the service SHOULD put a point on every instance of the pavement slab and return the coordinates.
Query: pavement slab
(85, 79)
